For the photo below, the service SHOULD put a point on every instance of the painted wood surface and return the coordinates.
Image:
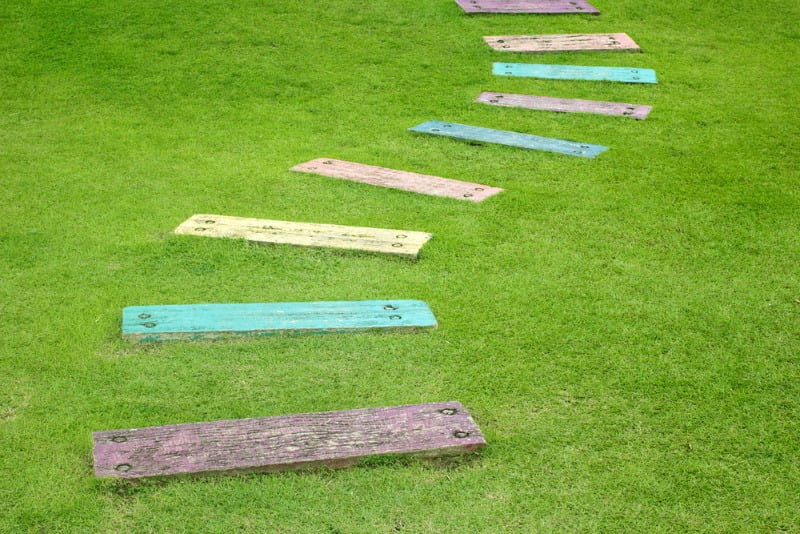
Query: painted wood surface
(527, 6)
(398, 242)
(406, 181)
(487, 135)
(268, 444)
(573, 72)
(581, 42)
(212, 321)
(564, 105)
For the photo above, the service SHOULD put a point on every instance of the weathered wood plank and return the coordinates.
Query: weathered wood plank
(521, 140)
(564, 105)
(269, 444)
(584, 42)
(406, 181)
(573, 72)
(398, 242)
(212, 321)
(527, 6)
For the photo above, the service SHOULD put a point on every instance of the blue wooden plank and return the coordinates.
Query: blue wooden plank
(208, 321)
(572, 72)
(502, 137)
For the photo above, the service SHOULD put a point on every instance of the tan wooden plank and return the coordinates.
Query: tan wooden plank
(590, 42)
(398, 242)
(267, 444)
(404, 180)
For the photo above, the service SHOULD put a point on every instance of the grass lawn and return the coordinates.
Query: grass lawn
(625, 330)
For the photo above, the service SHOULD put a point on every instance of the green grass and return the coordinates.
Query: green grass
(625, 330)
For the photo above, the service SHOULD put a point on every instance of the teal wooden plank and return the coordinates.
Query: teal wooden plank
(502, 137)
(209, 321)
(572, 72)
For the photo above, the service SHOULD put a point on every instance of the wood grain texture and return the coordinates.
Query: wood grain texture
(581, 42)
(398, 242)
(564, 105)
(268, 444)
(527, 6)
(406, 181)
(212, 321)
(573, 72)
(521, 140)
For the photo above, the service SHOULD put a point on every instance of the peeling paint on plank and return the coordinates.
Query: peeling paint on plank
(268, 444)
(397, 242)
(394, 179)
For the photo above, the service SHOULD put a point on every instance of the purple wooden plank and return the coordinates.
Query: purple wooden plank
(407, 181)
(527, 6)
(589, 42)
(564, 105)
(267, 444)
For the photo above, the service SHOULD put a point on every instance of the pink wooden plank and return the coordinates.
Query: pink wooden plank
(267, 444)
(565, 105)
(562, 43)
(527, 6)
(407, 181)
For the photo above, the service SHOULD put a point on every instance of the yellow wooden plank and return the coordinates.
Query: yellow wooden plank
(398, 242)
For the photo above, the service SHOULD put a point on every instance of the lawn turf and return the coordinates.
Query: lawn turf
(625, 330)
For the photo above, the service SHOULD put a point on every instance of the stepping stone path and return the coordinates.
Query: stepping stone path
(342, 438)
(212, 321)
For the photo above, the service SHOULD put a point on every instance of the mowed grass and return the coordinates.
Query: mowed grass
(625, 330)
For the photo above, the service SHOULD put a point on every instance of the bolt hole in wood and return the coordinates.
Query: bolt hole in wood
(119, 439)
(395, 317)
(149, 324)
(144, 316)
(448, 411)
(460, 434)
(210, 221)
(122, 468)
(389, 307)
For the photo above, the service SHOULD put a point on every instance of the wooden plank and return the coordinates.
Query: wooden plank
(487, 135)
(406, 181)
(398, 242)
(573, 72)
(581, 42)
(527, 6)
(564, 105)
(269, 444)
(212, 321)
